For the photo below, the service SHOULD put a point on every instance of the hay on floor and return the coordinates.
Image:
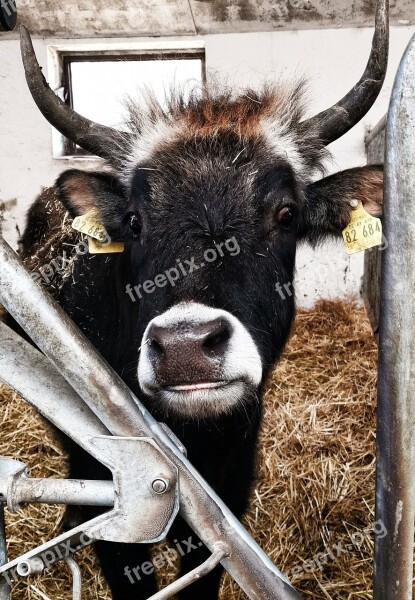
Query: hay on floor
(315, 487)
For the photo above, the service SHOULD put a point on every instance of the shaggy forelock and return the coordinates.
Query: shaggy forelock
(274, 115)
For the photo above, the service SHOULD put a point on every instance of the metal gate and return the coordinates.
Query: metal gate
(101, 414)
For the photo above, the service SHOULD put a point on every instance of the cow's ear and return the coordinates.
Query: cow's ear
(327, 208)
(80, 192)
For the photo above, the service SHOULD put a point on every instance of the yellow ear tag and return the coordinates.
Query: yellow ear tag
(90, 225)
(363, 231)
(95, 247)
(99, 241)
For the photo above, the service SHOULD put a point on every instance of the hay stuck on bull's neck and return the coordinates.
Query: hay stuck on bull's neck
(48, 247)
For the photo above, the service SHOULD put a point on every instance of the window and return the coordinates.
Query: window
(96, 83)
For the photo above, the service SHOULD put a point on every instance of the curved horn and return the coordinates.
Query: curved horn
(337, 120)
(98, 139)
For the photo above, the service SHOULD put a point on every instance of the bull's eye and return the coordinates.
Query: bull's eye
(134, 223)
(287, 216)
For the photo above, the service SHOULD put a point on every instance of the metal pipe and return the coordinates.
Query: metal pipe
(373, 133)
(76, 578)
(4, 586)
(32, 566)
(118, 409)
(58, 491)
(44, 386)
(395, 493)
(177, 586)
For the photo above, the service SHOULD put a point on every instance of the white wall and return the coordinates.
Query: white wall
(331, 59)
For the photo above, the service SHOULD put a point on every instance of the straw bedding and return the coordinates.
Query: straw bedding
(315, 489)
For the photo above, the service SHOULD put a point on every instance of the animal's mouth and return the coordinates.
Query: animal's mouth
(200, 386)
(201, 399)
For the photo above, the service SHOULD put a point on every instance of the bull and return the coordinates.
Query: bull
(210, 197)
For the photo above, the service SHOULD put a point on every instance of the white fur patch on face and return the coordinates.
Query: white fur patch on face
(241, 367)
(283, 142)
(153, 135)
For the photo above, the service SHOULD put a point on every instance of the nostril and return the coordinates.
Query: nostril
(216, 343)
(155, 348)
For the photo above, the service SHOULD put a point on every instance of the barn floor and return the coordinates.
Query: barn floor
(312, 506)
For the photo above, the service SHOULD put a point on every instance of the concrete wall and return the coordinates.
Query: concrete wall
(332, 60)
(80, 18)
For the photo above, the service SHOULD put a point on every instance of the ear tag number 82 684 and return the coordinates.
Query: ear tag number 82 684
(363, 231)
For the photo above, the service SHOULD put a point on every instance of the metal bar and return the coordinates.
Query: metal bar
(48, 392)
(4, 586)
(118, 409)
(197, 573)
(44, 386)
(395, 494)
(76, 578)
(375, 131)
(59, 491)
(31, 566)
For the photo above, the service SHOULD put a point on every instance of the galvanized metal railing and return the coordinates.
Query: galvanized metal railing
(395, 492)
(101, 414)
(108, 406)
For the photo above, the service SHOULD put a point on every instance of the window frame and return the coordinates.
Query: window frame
(59, 66)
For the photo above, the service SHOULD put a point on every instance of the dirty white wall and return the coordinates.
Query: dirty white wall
(332, 60)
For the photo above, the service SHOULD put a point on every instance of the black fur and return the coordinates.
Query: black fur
(186, 209)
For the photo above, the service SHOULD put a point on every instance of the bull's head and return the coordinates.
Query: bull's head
(211, 197)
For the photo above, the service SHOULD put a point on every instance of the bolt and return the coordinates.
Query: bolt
(160, 485)
(354, 203)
